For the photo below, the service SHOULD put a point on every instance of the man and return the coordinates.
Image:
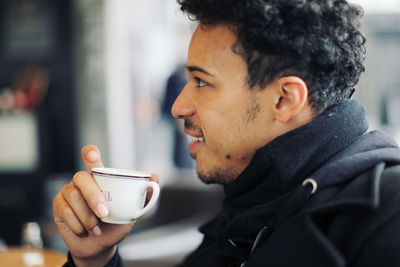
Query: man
(267, 105)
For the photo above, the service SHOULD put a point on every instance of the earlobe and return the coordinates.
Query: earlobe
(293, 96)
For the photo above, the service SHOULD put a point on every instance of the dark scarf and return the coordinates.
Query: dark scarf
(254, 198)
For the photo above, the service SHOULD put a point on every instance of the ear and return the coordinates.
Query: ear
(293, 96)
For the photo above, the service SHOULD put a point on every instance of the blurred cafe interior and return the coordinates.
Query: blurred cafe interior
(105, 72)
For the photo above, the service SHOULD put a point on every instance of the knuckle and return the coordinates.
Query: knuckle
(56, 199)
(58, 202)
(67, 212)
(78, 177)
(73, 195)
(91, 222)
(65, 188)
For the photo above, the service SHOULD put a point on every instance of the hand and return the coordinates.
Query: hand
(77, 208)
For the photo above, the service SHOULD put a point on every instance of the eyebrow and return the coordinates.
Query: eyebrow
(197, 68)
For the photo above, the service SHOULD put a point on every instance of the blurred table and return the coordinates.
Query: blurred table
(25, 257)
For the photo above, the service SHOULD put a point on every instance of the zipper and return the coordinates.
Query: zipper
(256, 241)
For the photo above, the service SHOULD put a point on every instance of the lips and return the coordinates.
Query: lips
(195, 144)
(196, 141)
(196, 135)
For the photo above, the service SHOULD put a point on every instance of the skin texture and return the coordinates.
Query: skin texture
(216, 104)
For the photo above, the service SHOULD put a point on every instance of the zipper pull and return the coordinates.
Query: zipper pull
(259, 235)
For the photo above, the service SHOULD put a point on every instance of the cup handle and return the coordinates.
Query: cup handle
(153, 200)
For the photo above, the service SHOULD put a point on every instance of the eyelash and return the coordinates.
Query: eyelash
(199, 81)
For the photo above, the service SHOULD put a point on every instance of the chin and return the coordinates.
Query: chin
(216, 175)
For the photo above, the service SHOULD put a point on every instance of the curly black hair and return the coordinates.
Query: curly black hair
(317, 40)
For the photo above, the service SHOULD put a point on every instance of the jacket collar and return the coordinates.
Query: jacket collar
(353, 175)
(307, 148)
(283, 163)
(309, 246)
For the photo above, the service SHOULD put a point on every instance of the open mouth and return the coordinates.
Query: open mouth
(195, 144)
(196, 134)
(197, 139)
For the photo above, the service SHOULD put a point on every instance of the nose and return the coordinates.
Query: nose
(183, 107)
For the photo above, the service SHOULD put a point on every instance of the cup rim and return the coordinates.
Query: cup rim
(120, 172)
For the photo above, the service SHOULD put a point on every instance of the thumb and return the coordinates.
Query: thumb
(91, 157)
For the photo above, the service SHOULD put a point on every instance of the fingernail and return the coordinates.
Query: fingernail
(96, 230)
(92, 155)
(102, 210)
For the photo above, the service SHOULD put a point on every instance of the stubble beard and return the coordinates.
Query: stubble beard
(217, 175)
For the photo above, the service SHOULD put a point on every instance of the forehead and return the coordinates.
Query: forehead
(211, 47)
(217, 36)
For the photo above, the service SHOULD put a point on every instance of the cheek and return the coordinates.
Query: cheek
(228, 142)
(227, 126)
(224, 126)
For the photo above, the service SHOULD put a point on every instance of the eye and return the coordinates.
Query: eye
(200, 82)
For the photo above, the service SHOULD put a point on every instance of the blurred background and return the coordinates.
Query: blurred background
(106, 72)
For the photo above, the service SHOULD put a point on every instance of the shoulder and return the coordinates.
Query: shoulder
(368, 231)
(392, 172)
(388, 188)
(381, 246)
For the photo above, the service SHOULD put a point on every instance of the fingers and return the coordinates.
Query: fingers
(63, 213)
(80, 203)
(153, 178)
(77, 203)
(91, 193)
(84, 181)
(71, 208)
(91, 157)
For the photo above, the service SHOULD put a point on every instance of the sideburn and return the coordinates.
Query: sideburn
(253, 108)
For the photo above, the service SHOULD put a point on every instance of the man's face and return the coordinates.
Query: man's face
(227, 120)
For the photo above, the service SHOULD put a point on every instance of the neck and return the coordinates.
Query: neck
(304, 116)
(285, 161)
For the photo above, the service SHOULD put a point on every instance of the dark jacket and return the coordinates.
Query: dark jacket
(270, 217)
(351, 224)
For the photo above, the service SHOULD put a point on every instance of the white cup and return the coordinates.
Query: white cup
(125, 192)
